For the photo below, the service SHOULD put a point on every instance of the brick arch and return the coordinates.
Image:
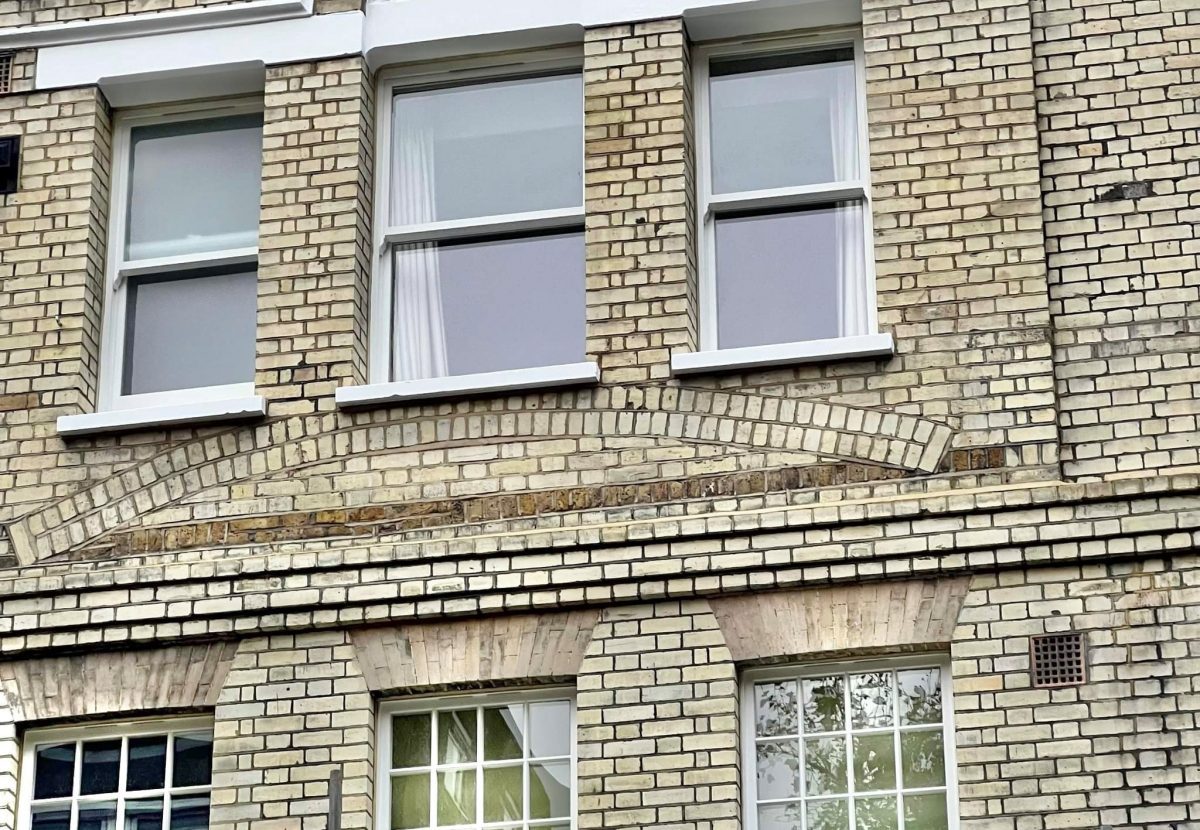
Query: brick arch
(730, 418)
(108, 683)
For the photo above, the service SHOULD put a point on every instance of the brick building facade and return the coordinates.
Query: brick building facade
(656, 582)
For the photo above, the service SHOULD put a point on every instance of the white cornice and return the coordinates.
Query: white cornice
(136, 25)
(214, 61)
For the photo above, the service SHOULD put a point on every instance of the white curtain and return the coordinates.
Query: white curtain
(851, 238)
(419, 335)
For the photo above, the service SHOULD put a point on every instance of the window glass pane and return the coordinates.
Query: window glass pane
(411, 737)
(101, 767)
(787, 277)
(824, 704)
(51, 817)
(871, 700)
(876, 813)
(488, 306)
(875, 762)
(190, 330)
(503, 790)
(192, 765)
(775, 709)
(780, 817)
(95, 815)
(828, 815)
(410, 801)
(194, 186)
(925, 812)
(924, 759)
(503, 732)
(825, 766)
(54, 771)
(144, 814)
(549, 729)
(784, 121)
(550, 790)
(456, 737)
(484, 149)
(147, 763)
(920, 696)
(189, 812)
(778, 767)
(456, 796)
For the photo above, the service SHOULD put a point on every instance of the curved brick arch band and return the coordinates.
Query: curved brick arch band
(735, 419)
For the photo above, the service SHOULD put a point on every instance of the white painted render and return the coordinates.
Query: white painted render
(174, 66)
(222, 50)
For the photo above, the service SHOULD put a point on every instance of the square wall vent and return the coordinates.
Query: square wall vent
(1057, 659)
(6, 71)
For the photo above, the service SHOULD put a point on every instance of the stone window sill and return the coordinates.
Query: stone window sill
(375, 394)
(150, 417)
(811, 351)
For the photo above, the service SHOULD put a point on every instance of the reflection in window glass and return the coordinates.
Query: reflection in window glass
(798, 112)
(55, 770)
(157, 781)
(795, 259)
(864, 750)
(785, 258)
(508, 763)
(194, 186)
(482, 306)
(469, 297)
(190, 329)
(510, 146)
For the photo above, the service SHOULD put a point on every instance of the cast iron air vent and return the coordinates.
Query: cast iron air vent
(6, 66)
(1057, 659)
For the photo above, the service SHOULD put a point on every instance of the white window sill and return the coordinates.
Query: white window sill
(117, 420)
(481, 384)
(811, 351)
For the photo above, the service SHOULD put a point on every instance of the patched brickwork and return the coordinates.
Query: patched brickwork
(657, 713)
(1119, 750)
(52, 238)
(387, 519)
(641, 274)
(1117, 92)
(314, 237)
(958, 232)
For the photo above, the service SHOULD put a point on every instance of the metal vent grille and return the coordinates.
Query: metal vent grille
(6, 67)
(1057, 659)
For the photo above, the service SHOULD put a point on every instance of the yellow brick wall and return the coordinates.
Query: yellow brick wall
(1032, 165)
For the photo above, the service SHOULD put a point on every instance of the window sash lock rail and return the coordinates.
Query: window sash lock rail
(484, 226)
(184, 262)
(785, 197)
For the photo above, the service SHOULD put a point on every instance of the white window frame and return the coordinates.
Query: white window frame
(118, 269)
(802, 671)
(381, 387)
(124, 730)
(711, 356)
(468, 700)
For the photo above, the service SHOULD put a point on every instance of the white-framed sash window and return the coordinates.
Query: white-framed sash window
(495, 761)
(479, 224)
(181, 303)
(786, 257)
(136, 776)
(854, 746)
